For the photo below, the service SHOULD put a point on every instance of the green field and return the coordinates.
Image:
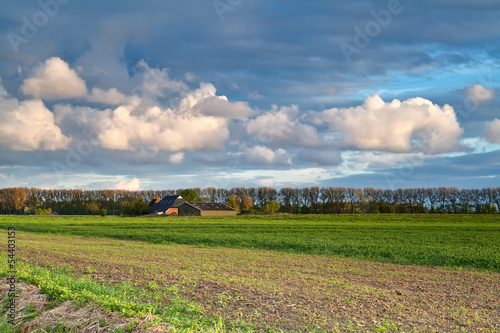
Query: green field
(466, 241)
(281, 273)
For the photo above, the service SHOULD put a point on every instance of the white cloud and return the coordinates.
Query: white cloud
(288, 177)
(282, 127)
(190, 77)
(205, 101)
(395, 126)
(193, 125)
(123, 129)
(28, 125)
(479, 94)
(3, 92)
(176, 158)
(197, 120)
(132, 185)
(156, 81)
(261, 155)
(492, 131)
(54, 80)
(269, 182)
(111, 96)
(382, 160)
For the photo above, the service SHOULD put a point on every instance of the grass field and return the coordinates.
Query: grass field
(468, 241)
(272, 273)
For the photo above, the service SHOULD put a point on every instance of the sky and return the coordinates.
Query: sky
(228, 93)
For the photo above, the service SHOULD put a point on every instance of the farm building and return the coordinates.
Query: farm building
(153, 202)
(167, 205)
(205, 209)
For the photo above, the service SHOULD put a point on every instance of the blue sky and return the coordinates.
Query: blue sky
(171, 94)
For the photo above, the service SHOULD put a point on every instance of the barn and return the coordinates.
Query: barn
(167, 205)
(205, 209)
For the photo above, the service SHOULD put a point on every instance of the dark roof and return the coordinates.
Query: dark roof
(153, 202)
(170, 201)
(179, 201)
(210, 206)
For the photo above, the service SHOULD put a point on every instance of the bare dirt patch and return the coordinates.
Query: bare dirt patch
(292, 292)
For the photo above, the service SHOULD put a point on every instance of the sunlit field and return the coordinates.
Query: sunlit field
(468, 241)
(282, 273)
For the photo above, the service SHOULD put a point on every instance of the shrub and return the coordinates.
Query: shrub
(271, 207)
(103, 212)
(234, 202)
(138, 207)
(41, 211)
(386, 209)
(190, 195)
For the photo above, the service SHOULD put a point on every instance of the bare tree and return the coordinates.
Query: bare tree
(352, 196)
(432, 195)
(296, 200)
(285, 196)
(339, 196)
(465, 196)
(442, 196)
(421, 196)
(496, 196)
(453, 195)
(314, 197)
(362, 200)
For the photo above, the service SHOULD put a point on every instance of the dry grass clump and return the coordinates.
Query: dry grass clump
(34, 314)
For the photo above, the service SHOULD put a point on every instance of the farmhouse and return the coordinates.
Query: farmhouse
(153, 202)
(167, 205)
(205, 209)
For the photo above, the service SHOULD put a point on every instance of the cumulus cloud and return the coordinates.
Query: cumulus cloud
(28, 125)
(111, 96)
(176, 158)
(54, 80)
(479, 94)
(205, 101)
(395, 126)
(159, 129)
(132, 185)
(156, 81)
(261, 155)
(492, 131)
(190, 77)
(192, 125)
(282, 127)
(198, 119)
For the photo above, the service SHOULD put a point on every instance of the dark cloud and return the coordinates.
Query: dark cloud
(262, 53)
(469, 171)
(325, 157)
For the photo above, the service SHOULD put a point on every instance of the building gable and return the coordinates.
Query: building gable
(168, 202)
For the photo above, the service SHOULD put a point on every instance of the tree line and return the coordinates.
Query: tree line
(308, 200)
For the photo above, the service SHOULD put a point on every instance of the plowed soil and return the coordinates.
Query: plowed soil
(292, 292)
